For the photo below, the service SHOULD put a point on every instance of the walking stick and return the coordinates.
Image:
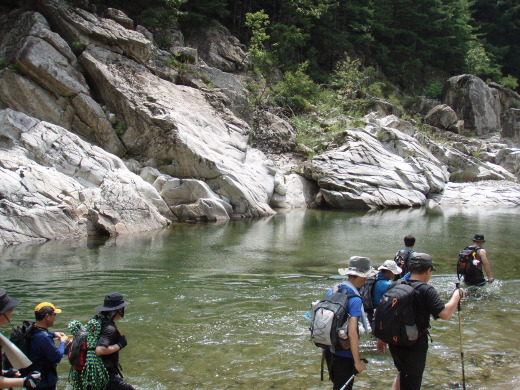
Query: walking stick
(352, 377)
(460, 336)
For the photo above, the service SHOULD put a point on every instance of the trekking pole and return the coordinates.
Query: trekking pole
(352, 377)
(460, 336)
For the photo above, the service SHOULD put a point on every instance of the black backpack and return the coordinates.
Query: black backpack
(367, 293)
(21, 337)
(466, 263)
(395, 321)
(329, 321)
(401, 259)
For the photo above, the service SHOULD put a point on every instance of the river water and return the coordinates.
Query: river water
(220, 306)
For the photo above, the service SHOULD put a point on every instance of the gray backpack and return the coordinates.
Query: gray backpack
(329, 321)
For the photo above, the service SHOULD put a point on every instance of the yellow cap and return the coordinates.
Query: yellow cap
(44, 304)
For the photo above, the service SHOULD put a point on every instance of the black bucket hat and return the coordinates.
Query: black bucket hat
(113, 301)
(6, 302)
(479, 238)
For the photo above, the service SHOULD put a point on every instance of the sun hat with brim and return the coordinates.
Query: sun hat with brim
(358, 266)
(422, 258)
(6, 302)
(113, 301)
(391, 266)
(479, 238)
(47, 304)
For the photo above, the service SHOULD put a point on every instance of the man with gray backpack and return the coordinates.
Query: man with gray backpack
(402, 320)
(334, 324)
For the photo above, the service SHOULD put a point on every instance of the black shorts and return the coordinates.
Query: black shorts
(410, 362)
(475, 281)
(341, 370)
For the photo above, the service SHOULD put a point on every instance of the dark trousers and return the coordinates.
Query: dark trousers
(117, 383)
(341, 370)
(410, 362)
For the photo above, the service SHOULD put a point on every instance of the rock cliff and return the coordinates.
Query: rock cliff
(102, 132)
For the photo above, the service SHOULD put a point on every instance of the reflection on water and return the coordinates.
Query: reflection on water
(221, 305)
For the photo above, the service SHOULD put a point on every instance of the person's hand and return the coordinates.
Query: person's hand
(360, 366)
(491, 280)
(32, 380)
(381, 346)
(11, 373)
(462, 293)
(122, 342)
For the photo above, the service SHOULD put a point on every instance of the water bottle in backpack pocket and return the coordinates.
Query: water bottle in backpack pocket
(329, 322)
(469, 263)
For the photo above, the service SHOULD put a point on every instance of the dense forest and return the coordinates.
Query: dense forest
(410, 44)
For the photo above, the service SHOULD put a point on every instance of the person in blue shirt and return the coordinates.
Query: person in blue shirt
(384, 279)
(343, 364)
(43, 352)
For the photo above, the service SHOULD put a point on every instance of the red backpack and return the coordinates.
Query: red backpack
(77, 353)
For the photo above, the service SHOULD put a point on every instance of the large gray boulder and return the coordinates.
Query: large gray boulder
(377, 167)
(44, 81)
(474, 102)
(442, 116)
(511, 124)
(176, 126)
(55, 185)
(79, 27)
(218, 48)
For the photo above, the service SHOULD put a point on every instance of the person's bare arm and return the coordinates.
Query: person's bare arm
(451, 306)
(485, 263)
(354, 344)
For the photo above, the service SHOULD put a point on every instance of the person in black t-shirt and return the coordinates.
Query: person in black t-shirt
(411, 361)
(111, 341)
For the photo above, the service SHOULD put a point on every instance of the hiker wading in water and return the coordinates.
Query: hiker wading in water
(42, 351)
(476, 276)
(12, 378)
(410, 361)
(343, 364)
(111, 341)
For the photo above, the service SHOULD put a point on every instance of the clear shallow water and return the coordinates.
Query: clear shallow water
(221, 305)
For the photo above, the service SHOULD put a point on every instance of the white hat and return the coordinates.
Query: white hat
(358, 266)
(392, 266)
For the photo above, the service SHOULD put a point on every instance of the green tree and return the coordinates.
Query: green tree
(498, 26)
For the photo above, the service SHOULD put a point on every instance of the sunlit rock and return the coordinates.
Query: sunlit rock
(55, 185)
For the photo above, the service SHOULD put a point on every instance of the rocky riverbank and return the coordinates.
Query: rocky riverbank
(102, 132)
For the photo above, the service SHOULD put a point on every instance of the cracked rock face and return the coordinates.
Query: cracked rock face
(368, 171)
(54, 185)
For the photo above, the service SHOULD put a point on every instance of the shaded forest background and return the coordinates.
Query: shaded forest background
(413, 45)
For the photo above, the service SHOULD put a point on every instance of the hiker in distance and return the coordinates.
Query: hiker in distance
(12, 378)
(342, 364)
(410, 360)
(42, 351)
(111, 341)
(474, 275)
(401, 257)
